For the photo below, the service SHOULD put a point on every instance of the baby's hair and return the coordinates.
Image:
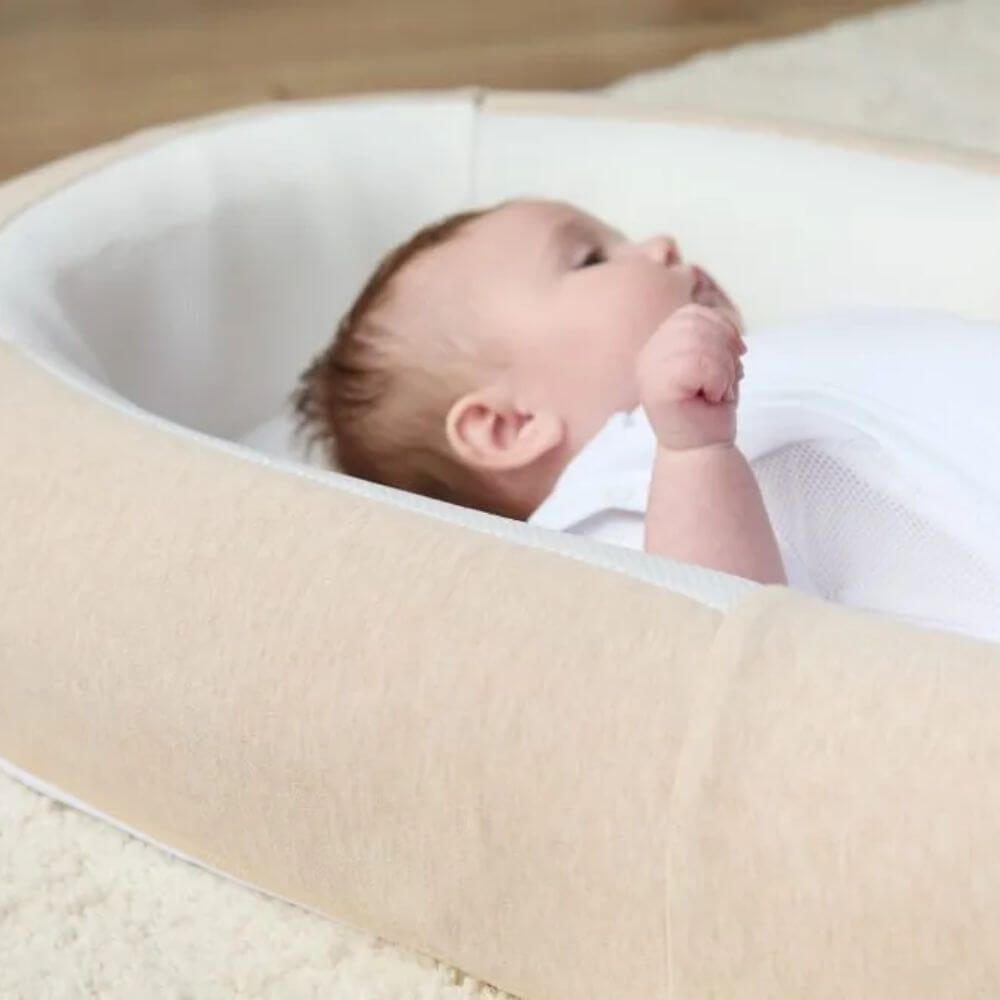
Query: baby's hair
(376, 408)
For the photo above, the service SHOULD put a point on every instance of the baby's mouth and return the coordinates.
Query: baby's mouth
(706, 292)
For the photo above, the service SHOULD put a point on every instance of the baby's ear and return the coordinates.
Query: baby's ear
(486, 430)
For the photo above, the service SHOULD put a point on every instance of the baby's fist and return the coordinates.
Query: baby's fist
(688, 374)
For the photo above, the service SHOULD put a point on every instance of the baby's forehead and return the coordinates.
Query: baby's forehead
(493, 242)
(478, 271)
(537, 218)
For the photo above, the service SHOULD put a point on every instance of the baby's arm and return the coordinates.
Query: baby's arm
(704, 504)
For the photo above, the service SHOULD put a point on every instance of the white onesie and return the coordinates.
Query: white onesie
(875, 438)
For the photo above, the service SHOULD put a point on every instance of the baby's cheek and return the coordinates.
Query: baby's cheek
(646, 316)
(653, 303)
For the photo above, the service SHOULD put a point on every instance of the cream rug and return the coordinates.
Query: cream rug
(928, 71)
(87, 911)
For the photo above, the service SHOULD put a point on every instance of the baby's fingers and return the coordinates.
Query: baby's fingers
(721, 327)
(733, 392)
(718, 375)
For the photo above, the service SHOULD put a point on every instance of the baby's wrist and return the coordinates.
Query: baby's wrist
(714, 451)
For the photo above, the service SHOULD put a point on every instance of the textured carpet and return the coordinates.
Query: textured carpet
(928, 71)
(87, 911)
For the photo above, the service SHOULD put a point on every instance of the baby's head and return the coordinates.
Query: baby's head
(487, 350)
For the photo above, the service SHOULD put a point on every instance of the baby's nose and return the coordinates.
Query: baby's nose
(664, 250)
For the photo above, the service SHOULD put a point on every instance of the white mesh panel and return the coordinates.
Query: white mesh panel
(864, 542)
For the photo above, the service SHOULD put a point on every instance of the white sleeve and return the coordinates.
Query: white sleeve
(602, 493)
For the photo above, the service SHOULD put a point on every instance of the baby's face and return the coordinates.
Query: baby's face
(564, 303)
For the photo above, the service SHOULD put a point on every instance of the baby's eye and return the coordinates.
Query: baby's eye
(593, 257)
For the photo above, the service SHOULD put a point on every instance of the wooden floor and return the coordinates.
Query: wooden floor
(77, 72)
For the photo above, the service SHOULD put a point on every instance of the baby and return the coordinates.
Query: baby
(531, 361)
(487, 352)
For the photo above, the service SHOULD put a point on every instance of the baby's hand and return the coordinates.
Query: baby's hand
(689, 373)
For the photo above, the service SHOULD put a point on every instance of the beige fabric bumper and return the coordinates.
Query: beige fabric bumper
(567, 782)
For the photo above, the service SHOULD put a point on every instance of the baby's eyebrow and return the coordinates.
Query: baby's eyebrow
(569, 232)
